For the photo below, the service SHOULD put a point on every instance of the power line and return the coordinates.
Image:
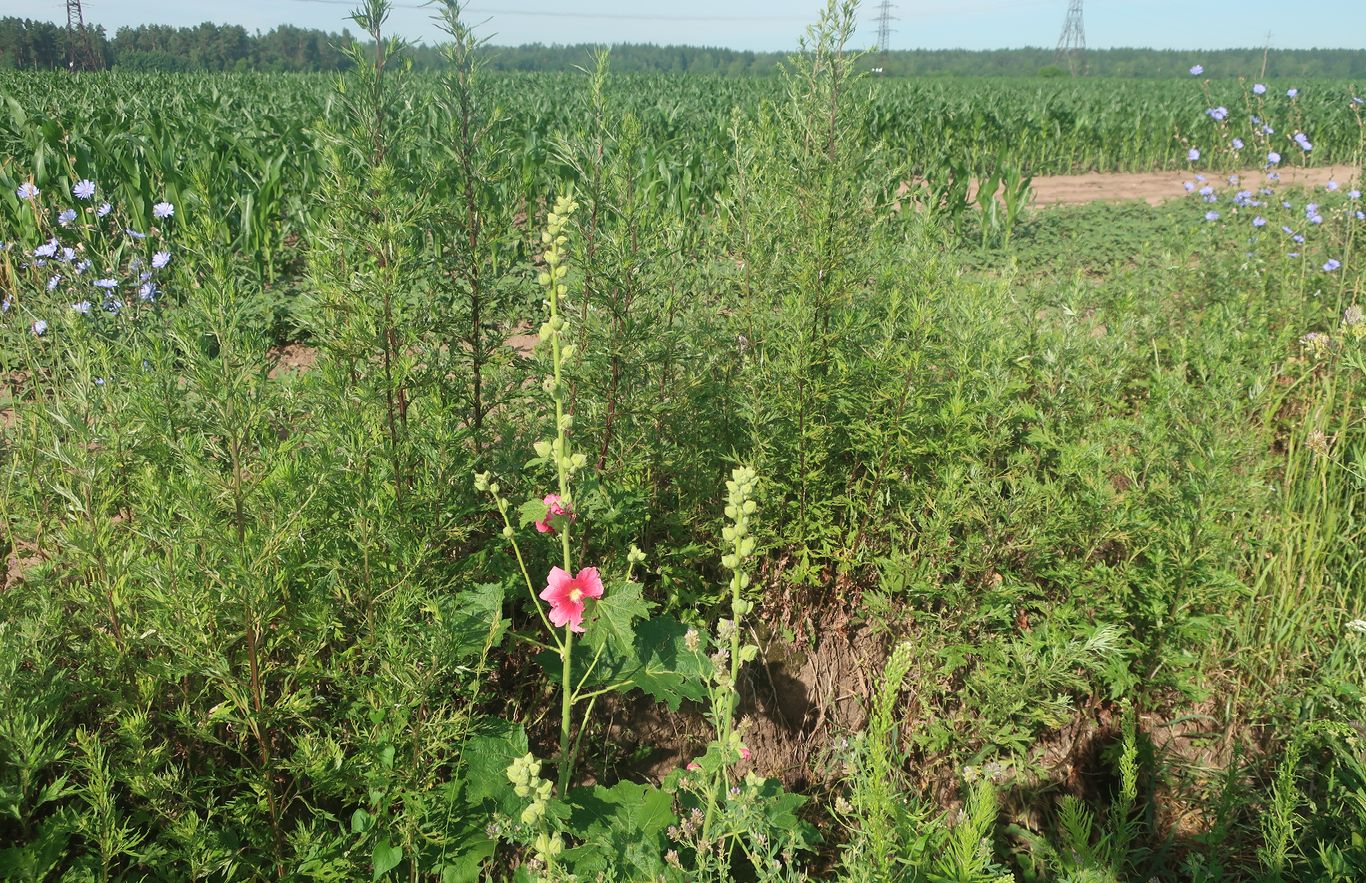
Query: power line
(598, 16)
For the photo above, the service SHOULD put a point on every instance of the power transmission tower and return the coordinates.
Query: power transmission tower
(884, 34)
(80, 55)
(1072, 43)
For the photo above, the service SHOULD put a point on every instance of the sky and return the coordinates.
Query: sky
(776, 24)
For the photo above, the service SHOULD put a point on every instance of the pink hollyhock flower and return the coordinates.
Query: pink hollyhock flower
(554, 506)
(566, 595)
(744, 753)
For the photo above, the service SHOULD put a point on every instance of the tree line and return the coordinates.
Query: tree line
(38, 45)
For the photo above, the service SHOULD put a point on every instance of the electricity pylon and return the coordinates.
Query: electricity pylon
(1072, 43)
(80, 55)
(884, 34)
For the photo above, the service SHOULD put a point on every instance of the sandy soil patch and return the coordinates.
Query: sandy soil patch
(1157, 187)
(292, 357)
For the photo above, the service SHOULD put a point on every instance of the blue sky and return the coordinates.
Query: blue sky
(775, 24)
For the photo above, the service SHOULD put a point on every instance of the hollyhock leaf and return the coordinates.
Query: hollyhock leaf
(468, 867)
(642, 809)
(611, 620)
(486, 756)
(666, 669)
(531, 512)
(657, 663)
(622, 830)
(780, 806)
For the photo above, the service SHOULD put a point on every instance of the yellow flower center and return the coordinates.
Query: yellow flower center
(576, 595)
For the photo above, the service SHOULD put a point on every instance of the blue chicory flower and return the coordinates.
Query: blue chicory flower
(84, 189)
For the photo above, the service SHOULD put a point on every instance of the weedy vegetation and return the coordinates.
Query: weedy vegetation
(466, 476)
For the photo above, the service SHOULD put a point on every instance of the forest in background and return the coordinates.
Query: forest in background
(35, 45)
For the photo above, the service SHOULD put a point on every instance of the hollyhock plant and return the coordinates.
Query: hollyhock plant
(554, 508)
(566, 595)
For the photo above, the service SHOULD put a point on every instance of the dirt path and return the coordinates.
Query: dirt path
(1157, 187)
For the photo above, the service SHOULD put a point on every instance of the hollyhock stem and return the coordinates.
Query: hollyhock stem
(726, 695)
(554, 260)
(566, 710)
(521, 563)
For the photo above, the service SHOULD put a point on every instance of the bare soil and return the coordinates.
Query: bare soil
(1155, 188)
(292, 357)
